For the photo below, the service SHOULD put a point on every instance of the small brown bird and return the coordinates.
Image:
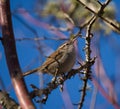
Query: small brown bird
(60, 61)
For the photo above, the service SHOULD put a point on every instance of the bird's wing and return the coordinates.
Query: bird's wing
(56, 55)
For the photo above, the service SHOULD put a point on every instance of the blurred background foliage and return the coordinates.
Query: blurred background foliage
(71, 9)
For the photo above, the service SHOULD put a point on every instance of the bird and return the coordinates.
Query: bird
(60, 61)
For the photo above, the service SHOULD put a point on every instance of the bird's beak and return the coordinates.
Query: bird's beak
(74, 39)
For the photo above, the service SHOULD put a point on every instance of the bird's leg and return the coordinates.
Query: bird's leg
(55, 76)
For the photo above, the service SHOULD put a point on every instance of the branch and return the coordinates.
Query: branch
(87, 71)
(53, 85)
(11, 56)
(7, 102)
(112, 24)
(39, 38)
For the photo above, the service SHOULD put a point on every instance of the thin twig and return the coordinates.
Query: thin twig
(87, 70)
(89, 35)
(39, 38)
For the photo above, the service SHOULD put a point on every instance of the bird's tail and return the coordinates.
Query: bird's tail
(31, 71)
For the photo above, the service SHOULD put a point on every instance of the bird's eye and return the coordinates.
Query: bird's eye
(67, 44)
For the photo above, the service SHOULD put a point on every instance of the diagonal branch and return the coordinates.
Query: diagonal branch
(114, 25)
(11, 56)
